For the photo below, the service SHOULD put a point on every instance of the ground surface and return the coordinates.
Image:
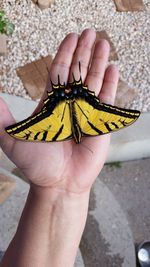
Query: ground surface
(130, 185)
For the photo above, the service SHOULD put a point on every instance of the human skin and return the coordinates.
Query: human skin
(60, 173)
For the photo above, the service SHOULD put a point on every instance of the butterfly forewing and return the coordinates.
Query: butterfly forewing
(44, 126)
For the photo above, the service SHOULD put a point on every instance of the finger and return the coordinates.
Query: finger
(60, 65)
(62, 61)
(107, 95)
(99, 62)
(82, 54)
(6, 119)
(110, 83)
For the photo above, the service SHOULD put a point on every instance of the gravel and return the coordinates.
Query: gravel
(38, 33)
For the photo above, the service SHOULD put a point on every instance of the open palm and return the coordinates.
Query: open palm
(67, 165)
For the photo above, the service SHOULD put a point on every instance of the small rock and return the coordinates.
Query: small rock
(7, 185)
(3, 47)
(43, 3)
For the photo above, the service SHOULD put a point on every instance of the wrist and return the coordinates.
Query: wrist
(52, 194)
(67, 213)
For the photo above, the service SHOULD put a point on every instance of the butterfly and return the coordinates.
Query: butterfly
(72, 111)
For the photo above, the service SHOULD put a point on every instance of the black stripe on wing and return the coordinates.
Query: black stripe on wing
(58, 133)
(128, 113)
(95, 102)
(20, 126)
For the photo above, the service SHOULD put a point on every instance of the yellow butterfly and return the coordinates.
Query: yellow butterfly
(72, 111)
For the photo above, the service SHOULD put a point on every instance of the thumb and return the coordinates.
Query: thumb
(6, 118)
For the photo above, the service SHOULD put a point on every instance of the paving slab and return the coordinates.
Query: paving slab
(107, 240)
(132, 142)
(129, 5)
(34, 76)
(104, 35)
(125, 94)
(44, 3)
(130, 183)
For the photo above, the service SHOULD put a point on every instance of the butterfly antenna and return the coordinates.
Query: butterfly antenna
(58, 79)
(50, 76)
(80, 70)
(48, 70)
(73, 77)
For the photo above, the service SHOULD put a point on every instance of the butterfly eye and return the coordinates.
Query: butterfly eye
(75, 91)
(62, 93)
(56, 94)
(86, 94)
(67, 97)
(80, 90)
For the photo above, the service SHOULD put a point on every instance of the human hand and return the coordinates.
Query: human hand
(66, 165)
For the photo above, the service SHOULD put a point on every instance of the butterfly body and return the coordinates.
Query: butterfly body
(70, 94)
(72, 111)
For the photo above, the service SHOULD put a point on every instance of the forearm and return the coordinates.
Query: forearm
(49, 230)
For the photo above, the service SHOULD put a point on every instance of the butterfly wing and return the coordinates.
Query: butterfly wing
(47, 125)
(95, 118)
(81, 114)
